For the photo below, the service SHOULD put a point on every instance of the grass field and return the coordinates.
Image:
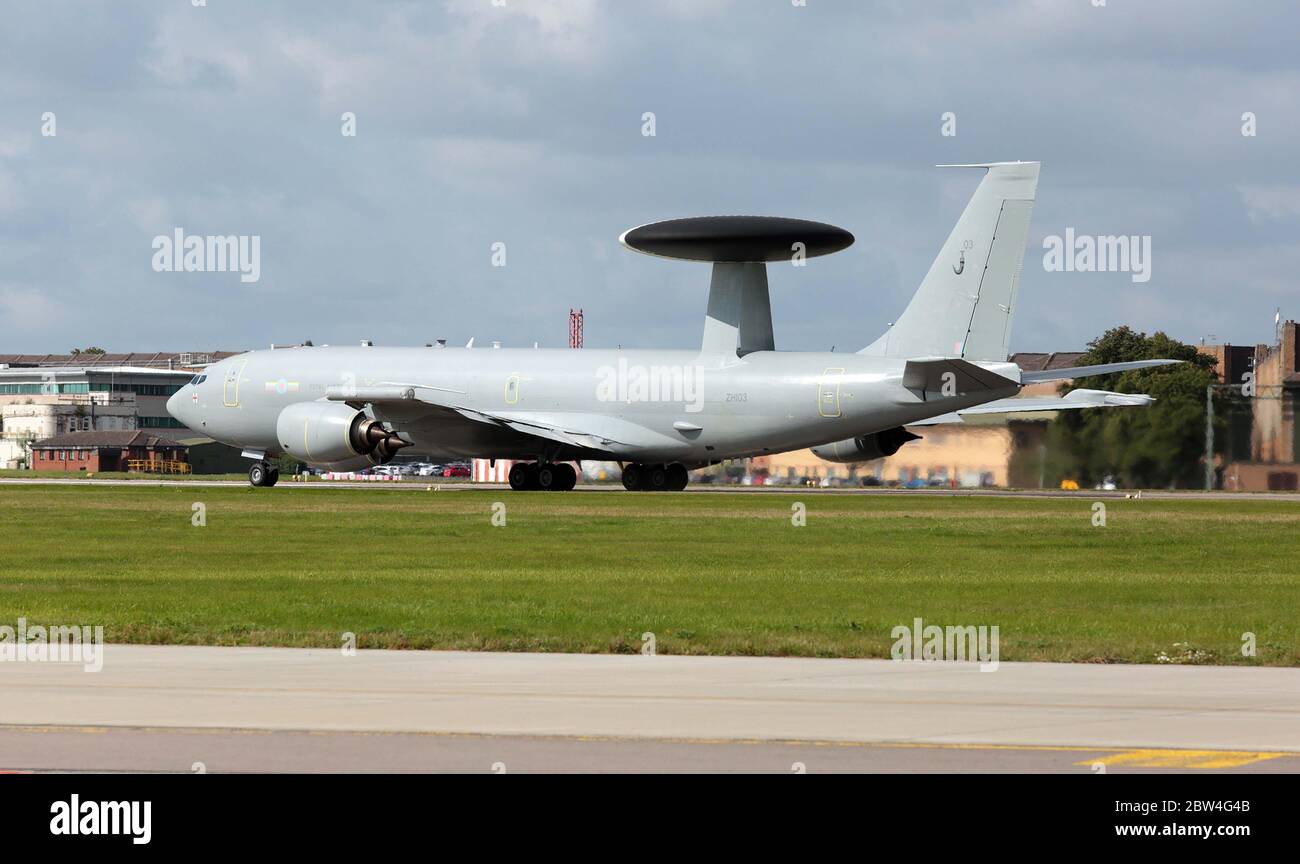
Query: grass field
(706, 573)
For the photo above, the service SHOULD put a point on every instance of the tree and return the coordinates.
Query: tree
(76, 352)
(1161, 445)
(288, 465)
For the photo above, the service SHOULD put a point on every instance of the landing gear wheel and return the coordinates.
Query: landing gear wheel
(258, 474)
(518, 476)
(677, 477)
(568, 475)
(531, 470)
(548, 478)
(656, 479)
(272, 477)
(632, 475)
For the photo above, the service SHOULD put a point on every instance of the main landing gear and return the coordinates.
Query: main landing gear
(263, 474)
(654, 478)
(548, 476)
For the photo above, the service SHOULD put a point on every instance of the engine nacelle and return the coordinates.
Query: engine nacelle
(864, 448)
(332, 433)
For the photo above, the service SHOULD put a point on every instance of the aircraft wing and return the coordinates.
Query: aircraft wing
(590, 431)
(1085, 371)
(1072, 400)
(576, 429)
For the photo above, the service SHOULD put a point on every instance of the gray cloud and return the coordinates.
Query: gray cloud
(479, 124)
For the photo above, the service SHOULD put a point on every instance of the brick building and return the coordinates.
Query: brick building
(1273, 463)
(104, 451)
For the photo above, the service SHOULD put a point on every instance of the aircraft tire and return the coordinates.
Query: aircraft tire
(518, 476)
(257, 474)
(531, 470)
(632, 476)
(656, 479)
(548, 478)
(568, 477)
(677, 477)
(272, 477)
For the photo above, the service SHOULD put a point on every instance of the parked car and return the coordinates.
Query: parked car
(456, 471)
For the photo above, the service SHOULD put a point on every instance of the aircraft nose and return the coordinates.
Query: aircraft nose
(174, 405)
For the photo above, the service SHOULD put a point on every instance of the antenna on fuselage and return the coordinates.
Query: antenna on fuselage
(738, 320)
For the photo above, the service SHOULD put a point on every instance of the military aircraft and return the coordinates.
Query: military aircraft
(662, 413)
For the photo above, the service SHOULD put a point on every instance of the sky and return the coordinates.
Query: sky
(483, 122)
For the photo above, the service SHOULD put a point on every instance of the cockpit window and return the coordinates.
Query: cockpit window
(198, 379)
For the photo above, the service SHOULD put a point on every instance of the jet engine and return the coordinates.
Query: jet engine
(865, 447)
(330, 433)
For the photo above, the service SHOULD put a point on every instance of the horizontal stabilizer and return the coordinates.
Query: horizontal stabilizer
(1084, 371)
(1070, 401)
(933, 375)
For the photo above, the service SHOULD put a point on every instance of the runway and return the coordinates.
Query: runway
(165, 708)
(424, 484)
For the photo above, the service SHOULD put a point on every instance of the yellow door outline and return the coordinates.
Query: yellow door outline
(828, 397)
(229, 393)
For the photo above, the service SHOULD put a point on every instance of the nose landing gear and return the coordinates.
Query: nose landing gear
(263, 474)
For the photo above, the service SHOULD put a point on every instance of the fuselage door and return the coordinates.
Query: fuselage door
(230, 386)
(828, 392)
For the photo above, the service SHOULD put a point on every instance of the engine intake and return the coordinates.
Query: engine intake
(865, 448)
(328, 433)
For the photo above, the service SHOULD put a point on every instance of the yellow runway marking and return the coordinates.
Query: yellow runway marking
(1184, 758)
(1149, 757)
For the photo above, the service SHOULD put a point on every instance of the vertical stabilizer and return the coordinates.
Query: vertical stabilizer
(966, 302)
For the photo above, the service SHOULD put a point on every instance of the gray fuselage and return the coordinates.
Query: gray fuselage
(646, 406)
